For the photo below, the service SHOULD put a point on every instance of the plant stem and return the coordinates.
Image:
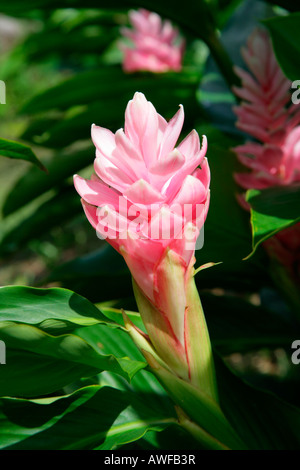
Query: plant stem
(202, 436)
(221, 58)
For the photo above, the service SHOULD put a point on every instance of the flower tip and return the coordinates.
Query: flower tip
(181, 109)
(75, 181)
(127, 322)
(93, 129)
(119, 131)
(204, 143)
(151, 360)
(139, 95)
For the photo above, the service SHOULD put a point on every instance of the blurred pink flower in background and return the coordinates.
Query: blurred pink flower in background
(142, 185)
(267, 114)
(156, 45)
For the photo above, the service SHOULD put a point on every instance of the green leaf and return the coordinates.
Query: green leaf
(55, 211)
(56, 306)
(11, 149)
(52, 41)
(34, 183)
(29, 374)
(72, 348)
(84, 88)
(92, 417)
(186, 15)
(109, 112)
(272, 210)
(28, 316)
(116, 315)
(119, 343)
(284, 32)
(201, 408)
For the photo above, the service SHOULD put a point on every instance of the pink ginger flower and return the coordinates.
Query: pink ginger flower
(266, 113)
(156, 44)
(149, 199)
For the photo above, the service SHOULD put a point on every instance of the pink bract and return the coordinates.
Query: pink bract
(142, 179)
(267, 114)
(156, 45)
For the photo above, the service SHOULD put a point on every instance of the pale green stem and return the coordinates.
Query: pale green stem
(198, 345)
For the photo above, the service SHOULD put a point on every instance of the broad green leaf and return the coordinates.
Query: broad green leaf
(53, 41)
(116, 315)
(11, 149)
(53, 307)
(284, 32)
(272, 210)
(34, 183)
(52, 213)
(186, 15)
(28, 374)
(21, 338)
(224, 11)
(85, 88)
(109, 112)
(37, 128)
(92, 417)
(201, 408)
(28, 316)
(119, 343)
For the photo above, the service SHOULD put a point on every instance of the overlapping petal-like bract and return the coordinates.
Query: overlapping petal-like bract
(269, 116)
(156, 46)
(149, 199)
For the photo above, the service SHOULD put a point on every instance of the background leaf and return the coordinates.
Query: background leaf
(11, 149)
(272, 210)
(284, 32)
(38, 326)
(93, 417)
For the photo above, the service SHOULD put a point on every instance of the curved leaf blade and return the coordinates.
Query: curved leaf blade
(272, 210)
(284, 31)
(11, 149)
(34, 183)
(91, 418)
